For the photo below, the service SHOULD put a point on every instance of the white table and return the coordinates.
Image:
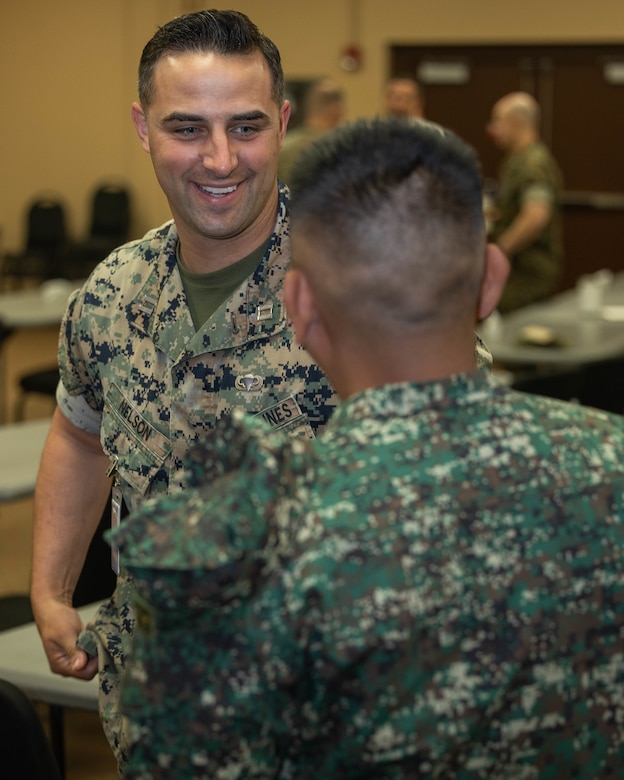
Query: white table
(24, 663)
(21, 445)
(585, 337)
(35, 308)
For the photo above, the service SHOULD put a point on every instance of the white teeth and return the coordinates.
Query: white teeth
(217, 190)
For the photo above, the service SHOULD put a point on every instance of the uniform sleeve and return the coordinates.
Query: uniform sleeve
(538, 192)
(538, 179)
(78, 411)
(214, 647)
(226, 674)
(76, 362)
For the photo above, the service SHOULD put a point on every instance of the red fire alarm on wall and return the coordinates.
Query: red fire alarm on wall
(350, 58)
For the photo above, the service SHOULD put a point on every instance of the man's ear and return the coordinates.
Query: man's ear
(495, 273)
(284, 118)
(299, 302)
(140, 124)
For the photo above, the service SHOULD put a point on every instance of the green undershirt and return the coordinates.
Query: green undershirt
(206, 292)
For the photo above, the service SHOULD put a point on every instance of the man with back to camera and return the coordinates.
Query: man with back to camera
(433, 587)
(526, 220)
(173, 331)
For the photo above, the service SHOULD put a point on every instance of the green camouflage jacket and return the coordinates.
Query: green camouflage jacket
(432, 588)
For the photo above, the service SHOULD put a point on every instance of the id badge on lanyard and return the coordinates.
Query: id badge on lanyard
(116, 503)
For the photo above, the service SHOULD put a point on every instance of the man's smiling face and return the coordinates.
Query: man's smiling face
(214, 131)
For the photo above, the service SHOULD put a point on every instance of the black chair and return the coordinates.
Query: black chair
(604, 385)
(109, 228)
(15, 610)
(599, 384)
(26, 751)
(45, 244)
(5, 332)
(96, 582)
(42, 382)
(566, 385)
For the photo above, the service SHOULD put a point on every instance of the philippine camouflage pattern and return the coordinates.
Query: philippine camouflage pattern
(434, 587)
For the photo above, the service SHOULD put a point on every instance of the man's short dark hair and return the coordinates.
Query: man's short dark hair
(221, 32)
(397, 203)
(352, 169)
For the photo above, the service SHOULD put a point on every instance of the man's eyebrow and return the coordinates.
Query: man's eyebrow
(247, 116)
(178, 116)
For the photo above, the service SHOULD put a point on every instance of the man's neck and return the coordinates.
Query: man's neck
(429, 359)
(201, 254)
(523, 141)
(209, 258)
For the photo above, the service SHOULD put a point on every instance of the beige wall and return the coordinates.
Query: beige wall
(68, 75)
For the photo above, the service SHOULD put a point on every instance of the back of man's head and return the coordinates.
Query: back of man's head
(222, 32)
(524, 107)
(515, 121)
(394, 210)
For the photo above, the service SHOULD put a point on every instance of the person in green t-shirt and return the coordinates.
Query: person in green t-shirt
(526, 222)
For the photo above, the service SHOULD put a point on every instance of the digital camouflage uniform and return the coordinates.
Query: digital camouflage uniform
(134, 368)
(135, 371)
(535, 270)
(432, 588)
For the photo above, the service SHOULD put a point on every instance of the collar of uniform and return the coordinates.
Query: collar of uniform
(255, 310)
(409, 399)
(159, 308)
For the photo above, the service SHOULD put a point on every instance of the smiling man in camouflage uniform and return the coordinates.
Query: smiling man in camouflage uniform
(174, 330)
(434, 587)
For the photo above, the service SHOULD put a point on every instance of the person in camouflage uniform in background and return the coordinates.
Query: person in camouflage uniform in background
(527, 213)
(174, 330)
(434, 586)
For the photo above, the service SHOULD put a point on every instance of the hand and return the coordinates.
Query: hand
(59, 626)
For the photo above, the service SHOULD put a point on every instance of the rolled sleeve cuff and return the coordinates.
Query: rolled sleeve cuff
(538, 193)
(78, 411)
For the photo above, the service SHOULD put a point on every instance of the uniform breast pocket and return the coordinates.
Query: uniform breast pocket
(129, 435)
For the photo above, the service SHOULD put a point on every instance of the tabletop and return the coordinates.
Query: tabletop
(560, 331)
(23, 662)
(34, 308)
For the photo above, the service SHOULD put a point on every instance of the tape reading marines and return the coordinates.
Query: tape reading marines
(282, 413)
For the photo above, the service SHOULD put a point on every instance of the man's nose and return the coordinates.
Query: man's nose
(219, 154)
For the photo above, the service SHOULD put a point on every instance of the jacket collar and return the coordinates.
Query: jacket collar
(160, 310)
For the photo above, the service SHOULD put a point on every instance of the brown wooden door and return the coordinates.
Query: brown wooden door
(581, 92)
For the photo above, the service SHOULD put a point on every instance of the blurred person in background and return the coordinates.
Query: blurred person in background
(525, 219)
(404, 97)
(323, 109)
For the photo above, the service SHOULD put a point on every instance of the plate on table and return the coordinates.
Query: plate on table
(540, 336)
